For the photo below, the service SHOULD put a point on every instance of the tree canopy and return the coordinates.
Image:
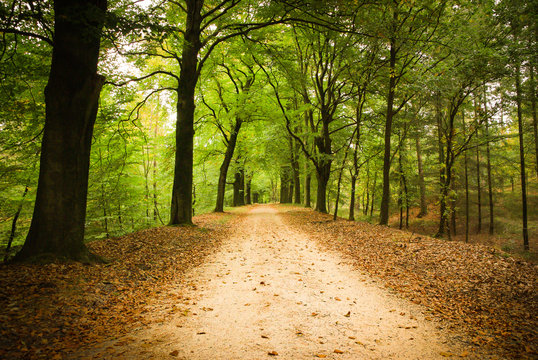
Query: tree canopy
(124, 115)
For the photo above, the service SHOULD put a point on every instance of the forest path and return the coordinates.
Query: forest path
(271, 292)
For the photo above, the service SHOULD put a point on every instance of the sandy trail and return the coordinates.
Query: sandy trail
(271, 289)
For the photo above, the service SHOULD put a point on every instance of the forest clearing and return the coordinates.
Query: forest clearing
(266, 279)
(364, 172)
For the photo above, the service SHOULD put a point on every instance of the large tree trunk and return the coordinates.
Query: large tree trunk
(71, 97)
(385, 200)
(181, 206)
(223, 172)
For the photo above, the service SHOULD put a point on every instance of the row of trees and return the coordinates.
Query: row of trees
(359, 99)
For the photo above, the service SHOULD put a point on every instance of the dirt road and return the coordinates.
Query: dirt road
(270, 292)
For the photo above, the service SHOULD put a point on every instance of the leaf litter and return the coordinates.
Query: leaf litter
(493, 298)
(47, 311)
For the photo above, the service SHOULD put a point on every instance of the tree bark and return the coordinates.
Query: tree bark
(478, 182)
(385, 200)
(488, 166)
(248, 195)
(352, 199)
(373, 195)
(532, 95)
(522, 158)
(307, 181)
(241, 187)
(322, 176)
(465, 162)
(285, 181)
(71, 98)
(421, 183)
(223, 171)
(237, 189)
(453, 200)
(295, 171)
(181, 205)
(366, 206)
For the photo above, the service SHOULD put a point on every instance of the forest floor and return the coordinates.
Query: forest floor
(273, 282)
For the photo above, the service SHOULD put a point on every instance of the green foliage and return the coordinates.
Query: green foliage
(329, 68)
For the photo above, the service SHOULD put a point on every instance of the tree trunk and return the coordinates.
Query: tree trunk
(71, 98)
(284, 185)
(478, 182)
(307, 181)
(352, 199)
(223, 172)
(248, 195)
(322, 176)
(488, 166)
(385, 200)
(445, 200)
(421, 183)
(307, 173)
(453, 205)
(181, 205)
(465, 162)
(522, 159)
(155, 203)
(406, 199)
(237, 189)
(340, 183)
(532, 95)
(373, 195)
(296, 175)
(367, 205)
(241, 187)
(14, 224)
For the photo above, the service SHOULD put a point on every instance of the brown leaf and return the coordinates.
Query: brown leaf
(174, 353)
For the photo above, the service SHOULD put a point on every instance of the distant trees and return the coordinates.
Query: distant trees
(362, 100)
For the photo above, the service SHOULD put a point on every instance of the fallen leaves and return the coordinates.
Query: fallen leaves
(67, 306)
(491, 297)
